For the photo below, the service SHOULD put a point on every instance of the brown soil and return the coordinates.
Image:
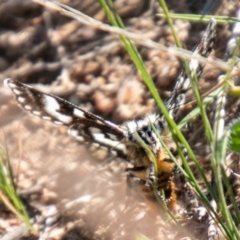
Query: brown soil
(91, 69)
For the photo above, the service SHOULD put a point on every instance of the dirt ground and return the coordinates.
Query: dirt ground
(55, 175)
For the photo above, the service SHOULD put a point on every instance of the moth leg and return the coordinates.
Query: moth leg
(169, 196)
(169, 192)
(137, 174)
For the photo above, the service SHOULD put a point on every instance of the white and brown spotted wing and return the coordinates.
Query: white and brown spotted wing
(82, 125)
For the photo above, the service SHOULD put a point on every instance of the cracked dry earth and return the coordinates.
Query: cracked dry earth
(73, 192)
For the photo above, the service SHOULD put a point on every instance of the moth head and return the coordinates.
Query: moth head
(148, 130)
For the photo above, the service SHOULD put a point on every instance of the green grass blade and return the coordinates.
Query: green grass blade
(8, 192)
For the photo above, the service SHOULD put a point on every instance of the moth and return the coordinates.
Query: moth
(124, 139)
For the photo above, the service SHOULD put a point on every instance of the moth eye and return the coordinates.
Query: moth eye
(149, 133)
(130, 137)
(145, 129)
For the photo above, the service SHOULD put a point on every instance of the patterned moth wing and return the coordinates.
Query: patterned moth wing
(82, 125)
(183, 83)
